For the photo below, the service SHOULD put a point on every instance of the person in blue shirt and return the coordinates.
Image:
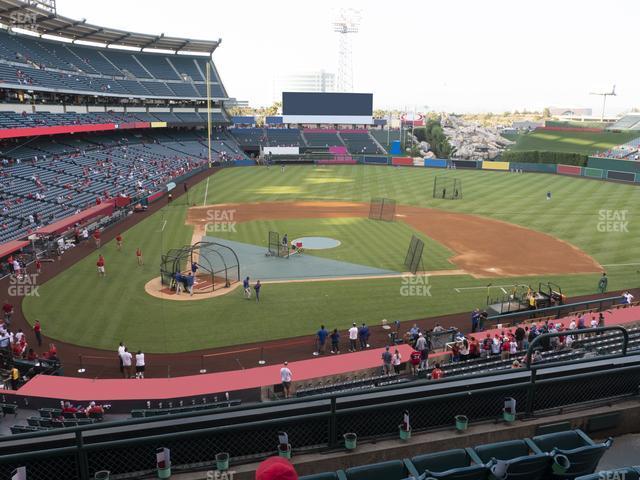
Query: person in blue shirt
(363, 335)
(179, 278)
(189, 280)
(247, 288)
(194, 268)
(475, 320)
(321, 340)
(335, 341)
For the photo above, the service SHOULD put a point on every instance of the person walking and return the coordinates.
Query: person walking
(387, 358)
(140, 364)
(96, 237)
(423, 348)
(321, 340)
(139, 257)
(335, 341)
(189, 280)
(602, 284)
(285, 377)
(100, 265)
(121, 349)
(7, 310)
(119, 242)
(37, 331)
(247, 288)
(257, 287)
(353, 336)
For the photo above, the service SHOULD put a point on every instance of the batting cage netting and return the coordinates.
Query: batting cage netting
(447, 188)
(382, 209)
(213, 265)
(413, 260)
(277, 248)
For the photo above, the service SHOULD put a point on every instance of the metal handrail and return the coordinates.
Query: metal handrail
(580, 331)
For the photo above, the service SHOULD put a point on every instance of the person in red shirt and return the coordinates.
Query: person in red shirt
(100, 265)
(414, 360)
(436, 373)
(7, 310)
(37, 330)
(139, 257)
(38, 265)
(96, 237)
(119, 242)
(68, 408)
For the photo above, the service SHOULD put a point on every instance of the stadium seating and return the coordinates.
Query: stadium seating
(284, 137)
(520, 460)
(38, 62)
(318, 138)
(454, 464)
(582, 452)
(360, 143)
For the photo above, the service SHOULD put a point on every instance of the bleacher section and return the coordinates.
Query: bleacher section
(626, 151)
(284, 137)
(360, 142)
(385, 137)
(71, 173)
(628, 122)
(322, 138)
(43, 64)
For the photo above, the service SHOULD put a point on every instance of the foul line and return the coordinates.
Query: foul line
(482, 287)
(622, 265)
(163, 225)
(206, 191)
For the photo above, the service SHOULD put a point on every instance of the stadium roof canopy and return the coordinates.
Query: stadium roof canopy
(32, 16)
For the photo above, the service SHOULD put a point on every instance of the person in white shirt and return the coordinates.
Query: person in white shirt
(285, 378)
(85, 234)
(121, 348)
(353, 337)
(126, 362)
(628, 297)
(140, 364)
(572, 325)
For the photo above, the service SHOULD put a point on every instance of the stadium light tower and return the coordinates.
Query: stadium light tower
(347, 23)
(604, 96)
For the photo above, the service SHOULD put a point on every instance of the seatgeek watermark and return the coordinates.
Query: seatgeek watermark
(220, 475)
(25, 285)
(221, 221)
(24, 21)
(613, 221)
(415, 286)
(612, 475)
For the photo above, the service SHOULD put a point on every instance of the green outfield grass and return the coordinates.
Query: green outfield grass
(79, 307)
(585, 143)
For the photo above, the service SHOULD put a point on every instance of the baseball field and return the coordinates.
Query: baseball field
(570, 141)
(504, 231)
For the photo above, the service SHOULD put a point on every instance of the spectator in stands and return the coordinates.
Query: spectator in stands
(285, 377)
(335, 341)
(7, 310)
(353, 337)
(276, 468)
(31, 355)
(474, 348)
(94, 410)
(437, 373)
(15, 378)
(68, 408)
(140, 365)
(414, 361)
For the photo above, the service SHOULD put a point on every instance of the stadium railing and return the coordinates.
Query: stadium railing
(250, 432)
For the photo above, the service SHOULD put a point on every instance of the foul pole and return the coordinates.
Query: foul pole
(209, 111)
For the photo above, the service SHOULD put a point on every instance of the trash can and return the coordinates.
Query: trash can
(350, 441)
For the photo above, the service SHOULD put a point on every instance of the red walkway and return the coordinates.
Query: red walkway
(84, 390)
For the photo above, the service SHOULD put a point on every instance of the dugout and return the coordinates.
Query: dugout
(218, 266)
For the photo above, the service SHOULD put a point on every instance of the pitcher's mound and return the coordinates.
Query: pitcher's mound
(317, 243)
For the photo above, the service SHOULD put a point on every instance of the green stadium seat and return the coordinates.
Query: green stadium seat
(456, 464)
(628, 473)
(582, 452)
(391, 470)
(9, 408)
(521, 461)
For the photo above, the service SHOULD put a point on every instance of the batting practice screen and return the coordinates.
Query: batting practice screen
(414, 254)
(447, 188)
(382, 209)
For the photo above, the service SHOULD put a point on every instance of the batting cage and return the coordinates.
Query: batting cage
(277, 247)
(447, 188)
(382, 209)
(413, 260)
(216, 266)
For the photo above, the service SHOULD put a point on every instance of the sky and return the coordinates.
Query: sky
(456, 55)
